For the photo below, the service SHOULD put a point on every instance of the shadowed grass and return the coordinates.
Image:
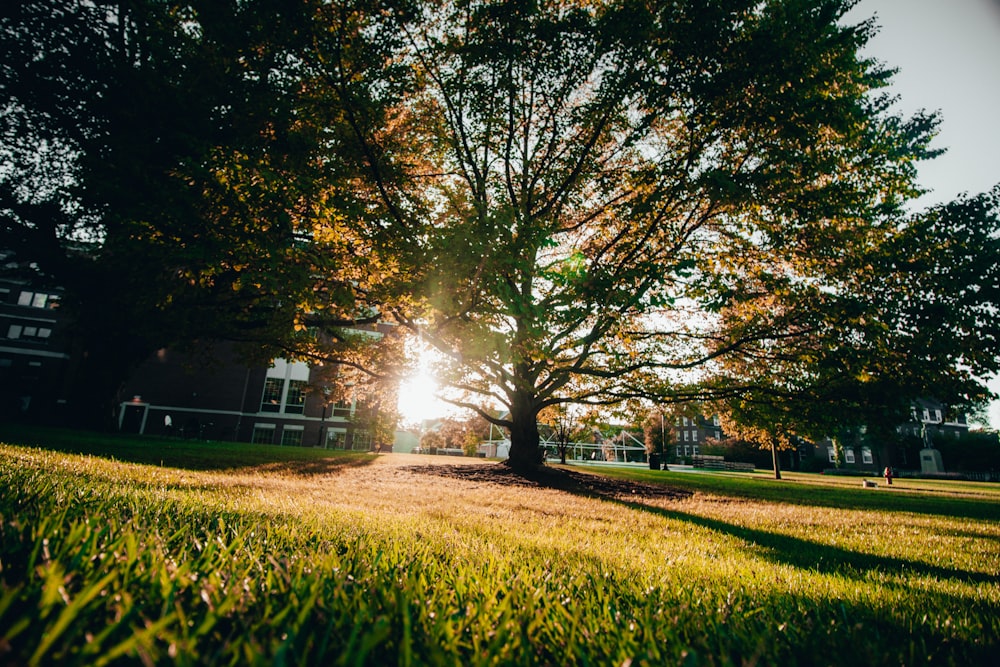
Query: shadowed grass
(179, 453)
(112, 561)
(973, 500)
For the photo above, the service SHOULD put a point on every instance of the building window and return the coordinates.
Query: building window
(937, 415)
(927, 415)
(866, 455)
(694, 450)
(849, 455)
(37, 300)
(336, 439)
(362, 441)
(679, 454)
(263, 434)
(685, 421)
(292, 436)
(687, 435)
(687, 450)
(15, 331)
(694, 436)
(831, 454)
(296, 400)
(271, 402)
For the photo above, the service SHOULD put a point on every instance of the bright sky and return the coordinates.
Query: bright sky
(948, 56)
(418, 394)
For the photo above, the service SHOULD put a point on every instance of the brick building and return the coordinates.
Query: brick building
(211, 395)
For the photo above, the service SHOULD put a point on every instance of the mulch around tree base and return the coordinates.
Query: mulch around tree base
(552, 478)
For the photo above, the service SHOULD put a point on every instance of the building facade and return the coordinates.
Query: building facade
(930, 421)
(690, 433)
(216, 396)
(34, 352)
(211, 395)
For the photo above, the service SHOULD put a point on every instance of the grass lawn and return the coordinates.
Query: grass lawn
(161, 552)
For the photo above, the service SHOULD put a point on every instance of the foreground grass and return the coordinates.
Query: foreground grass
(212, 554)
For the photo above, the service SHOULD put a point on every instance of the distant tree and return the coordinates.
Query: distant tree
(772, 435)
(566, 427)
(377, 420)
(913, 316)
(975, 451)
(452, 433)
(431, 441)
(657, 432)
(464, 434)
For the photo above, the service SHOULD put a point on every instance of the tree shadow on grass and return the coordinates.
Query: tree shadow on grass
(882, 499)
(311, 467)
(193, 455)
(810, 555)
(578, 483)
(778, 548)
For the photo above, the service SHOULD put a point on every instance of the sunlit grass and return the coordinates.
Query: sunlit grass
(286, 556)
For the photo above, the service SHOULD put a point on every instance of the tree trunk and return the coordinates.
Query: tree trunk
(775, 460)
(525, 453)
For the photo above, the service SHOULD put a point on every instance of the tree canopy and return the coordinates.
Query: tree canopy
(165, 164)
(620, 200)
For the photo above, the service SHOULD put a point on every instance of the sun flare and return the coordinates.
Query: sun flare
(418, 398)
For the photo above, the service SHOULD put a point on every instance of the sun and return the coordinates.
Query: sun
(417, 398)
(419, 393)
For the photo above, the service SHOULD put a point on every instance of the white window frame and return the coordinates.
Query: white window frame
(261, 428)
(361, 440)
(335, 436)
(286, 371)
(292, 428)
(30, 299)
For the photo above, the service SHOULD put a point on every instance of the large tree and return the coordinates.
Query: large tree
(607, 200)
(166, 164)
